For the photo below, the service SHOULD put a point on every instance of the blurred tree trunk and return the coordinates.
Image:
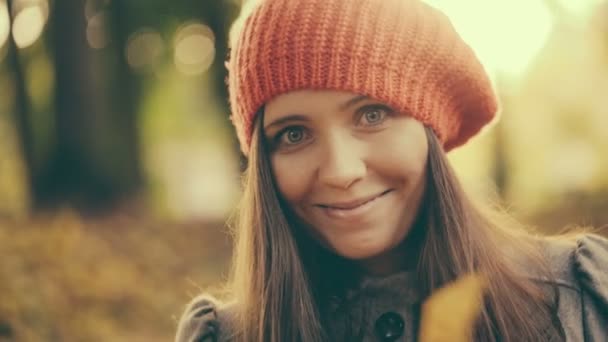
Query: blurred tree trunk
(500, 148)
(94, 162)
(22, 110)
(500, 163)
(125, 95)
(219, 15)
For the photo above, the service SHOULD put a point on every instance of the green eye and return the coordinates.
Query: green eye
(290, 137)
(374, 115)
(293, 135)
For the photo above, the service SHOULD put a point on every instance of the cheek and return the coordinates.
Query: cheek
(403, 152)
(293, 176)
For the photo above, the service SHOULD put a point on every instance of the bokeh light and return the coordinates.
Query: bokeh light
(153, 224)
(5, 23)
(29, 22)
(144, 49)
(96, 31)
(194, 48)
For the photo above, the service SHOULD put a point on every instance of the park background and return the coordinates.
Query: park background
(119, 166)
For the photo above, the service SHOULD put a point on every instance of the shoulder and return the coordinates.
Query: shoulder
(579, 262)
(206, 318)
(591, 262)
(579, 268)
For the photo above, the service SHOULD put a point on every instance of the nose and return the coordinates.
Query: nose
(343, 163)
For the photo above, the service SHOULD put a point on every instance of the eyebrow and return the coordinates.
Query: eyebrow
(346, 105)
(299, 117)
(288, 118)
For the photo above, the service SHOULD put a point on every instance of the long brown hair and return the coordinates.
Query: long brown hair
(279, 295)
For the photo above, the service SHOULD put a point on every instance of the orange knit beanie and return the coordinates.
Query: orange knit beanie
(404, 53)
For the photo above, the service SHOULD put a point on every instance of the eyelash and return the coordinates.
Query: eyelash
(366, 109)
(276, 140)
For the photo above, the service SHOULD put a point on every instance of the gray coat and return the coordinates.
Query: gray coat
(581, 275)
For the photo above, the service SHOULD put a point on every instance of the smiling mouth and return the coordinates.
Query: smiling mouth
(350, 205)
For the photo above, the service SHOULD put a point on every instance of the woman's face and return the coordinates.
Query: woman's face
(350, 167)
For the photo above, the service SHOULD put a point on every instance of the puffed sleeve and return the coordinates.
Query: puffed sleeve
(205, 319)
(591, 268)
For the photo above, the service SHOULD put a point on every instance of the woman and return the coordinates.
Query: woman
(351, 214)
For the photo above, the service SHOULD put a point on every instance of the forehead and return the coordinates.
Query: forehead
(306, 102)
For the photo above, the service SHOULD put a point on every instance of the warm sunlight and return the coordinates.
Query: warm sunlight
(136, 183)
(194, 48)
(505, 34)
(579, 7)
(144, 48)
(4, 23)
(29, 23)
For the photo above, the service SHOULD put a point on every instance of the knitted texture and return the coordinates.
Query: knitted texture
(404, 53)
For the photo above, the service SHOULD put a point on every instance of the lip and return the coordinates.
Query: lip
(353, 210)
(349, 205)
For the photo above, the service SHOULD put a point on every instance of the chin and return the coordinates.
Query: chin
(359, 252)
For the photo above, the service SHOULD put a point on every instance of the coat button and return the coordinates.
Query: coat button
(389, 326)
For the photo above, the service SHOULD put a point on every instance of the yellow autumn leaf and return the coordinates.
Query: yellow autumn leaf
(450, 313)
